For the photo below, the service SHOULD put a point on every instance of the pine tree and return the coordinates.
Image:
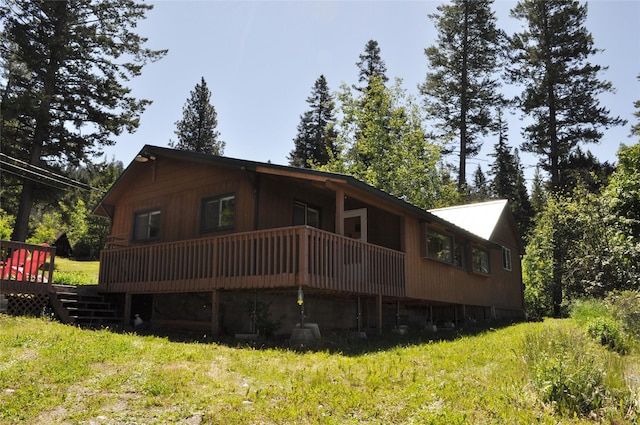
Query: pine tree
(584, 169)
(462, 89)
(371, 64)
(66, 65)
(315, 143)
(504, 171)
(538, 193)
(480, 190)
(509, 183)
(561, 88)
(635, 129)
(521, 203)
(196, 130)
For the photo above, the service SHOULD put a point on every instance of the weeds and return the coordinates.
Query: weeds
(573, 375)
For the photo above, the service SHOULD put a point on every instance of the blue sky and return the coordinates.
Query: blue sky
(260, 60)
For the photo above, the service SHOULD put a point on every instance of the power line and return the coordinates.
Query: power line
(41, 175)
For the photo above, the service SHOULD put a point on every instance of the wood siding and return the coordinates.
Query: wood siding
(430, 279)
(178, 194)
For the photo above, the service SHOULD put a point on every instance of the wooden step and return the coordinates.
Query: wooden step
(84, 308)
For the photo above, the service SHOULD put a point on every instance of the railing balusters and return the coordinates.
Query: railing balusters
(288, 257)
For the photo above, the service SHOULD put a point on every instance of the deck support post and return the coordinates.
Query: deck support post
(127, 309)
(379, 305)
(214, 313)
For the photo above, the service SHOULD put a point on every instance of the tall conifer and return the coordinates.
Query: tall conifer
(550, 60)
(315, 143)
(461, 89)
(196, 130)
(66, 65)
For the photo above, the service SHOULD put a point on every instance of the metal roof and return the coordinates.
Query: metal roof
(480, 219)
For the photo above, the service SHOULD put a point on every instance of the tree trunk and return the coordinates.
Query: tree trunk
(42, 120)
(464, 106)
(21, 226)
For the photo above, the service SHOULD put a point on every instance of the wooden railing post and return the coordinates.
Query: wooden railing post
(303, 270)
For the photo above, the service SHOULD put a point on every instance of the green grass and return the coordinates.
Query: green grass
(56, 374)
(70, 272)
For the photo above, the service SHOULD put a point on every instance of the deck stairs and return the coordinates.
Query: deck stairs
(83, 306)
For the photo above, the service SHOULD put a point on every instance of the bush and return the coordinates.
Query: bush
(608, 333)
(625, 307)
(260, 315)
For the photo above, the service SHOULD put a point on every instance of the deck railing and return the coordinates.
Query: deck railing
(276, 258)
(25, 268)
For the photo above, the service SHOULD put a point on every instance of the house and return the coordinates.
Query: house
(204, 241)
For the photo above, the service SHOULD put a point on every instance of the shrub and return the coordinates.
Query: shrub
(625, 307)
(607, 332)
(260, 315)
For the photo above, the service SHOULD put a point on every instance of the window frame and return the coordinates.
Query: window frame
(150, 212)
(507, 263)
(307, 207)
(204, 228)
(481, 271)
(458, 248)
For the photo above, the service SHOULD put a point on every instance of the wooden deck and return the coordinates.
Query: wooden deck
(277, 258)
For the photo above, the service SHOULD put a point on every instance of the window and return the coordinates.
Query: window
(439, 246)
(480, 260)
(303, 214)
(218, 213)
(146, 225)
(458, 254)
(506, 258)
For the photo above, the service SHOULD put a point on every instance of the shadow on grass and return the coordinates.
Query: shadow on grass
(335, 342)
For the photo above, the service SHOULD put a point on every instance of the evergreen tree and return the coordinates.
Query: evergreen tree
(521, 204)
(583, 169)
(196, 130)
(561, 88)
(635, 129)
(66, 65)
(315, 142)
(480, 191)
(371, 64)
(504, 171)
(509, 183)
(538, 193)
(462, 89)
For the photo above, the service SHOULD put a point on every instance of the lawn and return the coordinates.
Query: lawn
(56, 374)
(70, 272)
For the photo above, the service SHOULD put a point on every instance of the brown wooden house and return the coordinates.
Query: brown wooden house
(201, 241)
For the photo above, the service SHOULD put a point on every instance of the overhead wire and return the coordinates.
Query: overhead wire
(41, 175)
